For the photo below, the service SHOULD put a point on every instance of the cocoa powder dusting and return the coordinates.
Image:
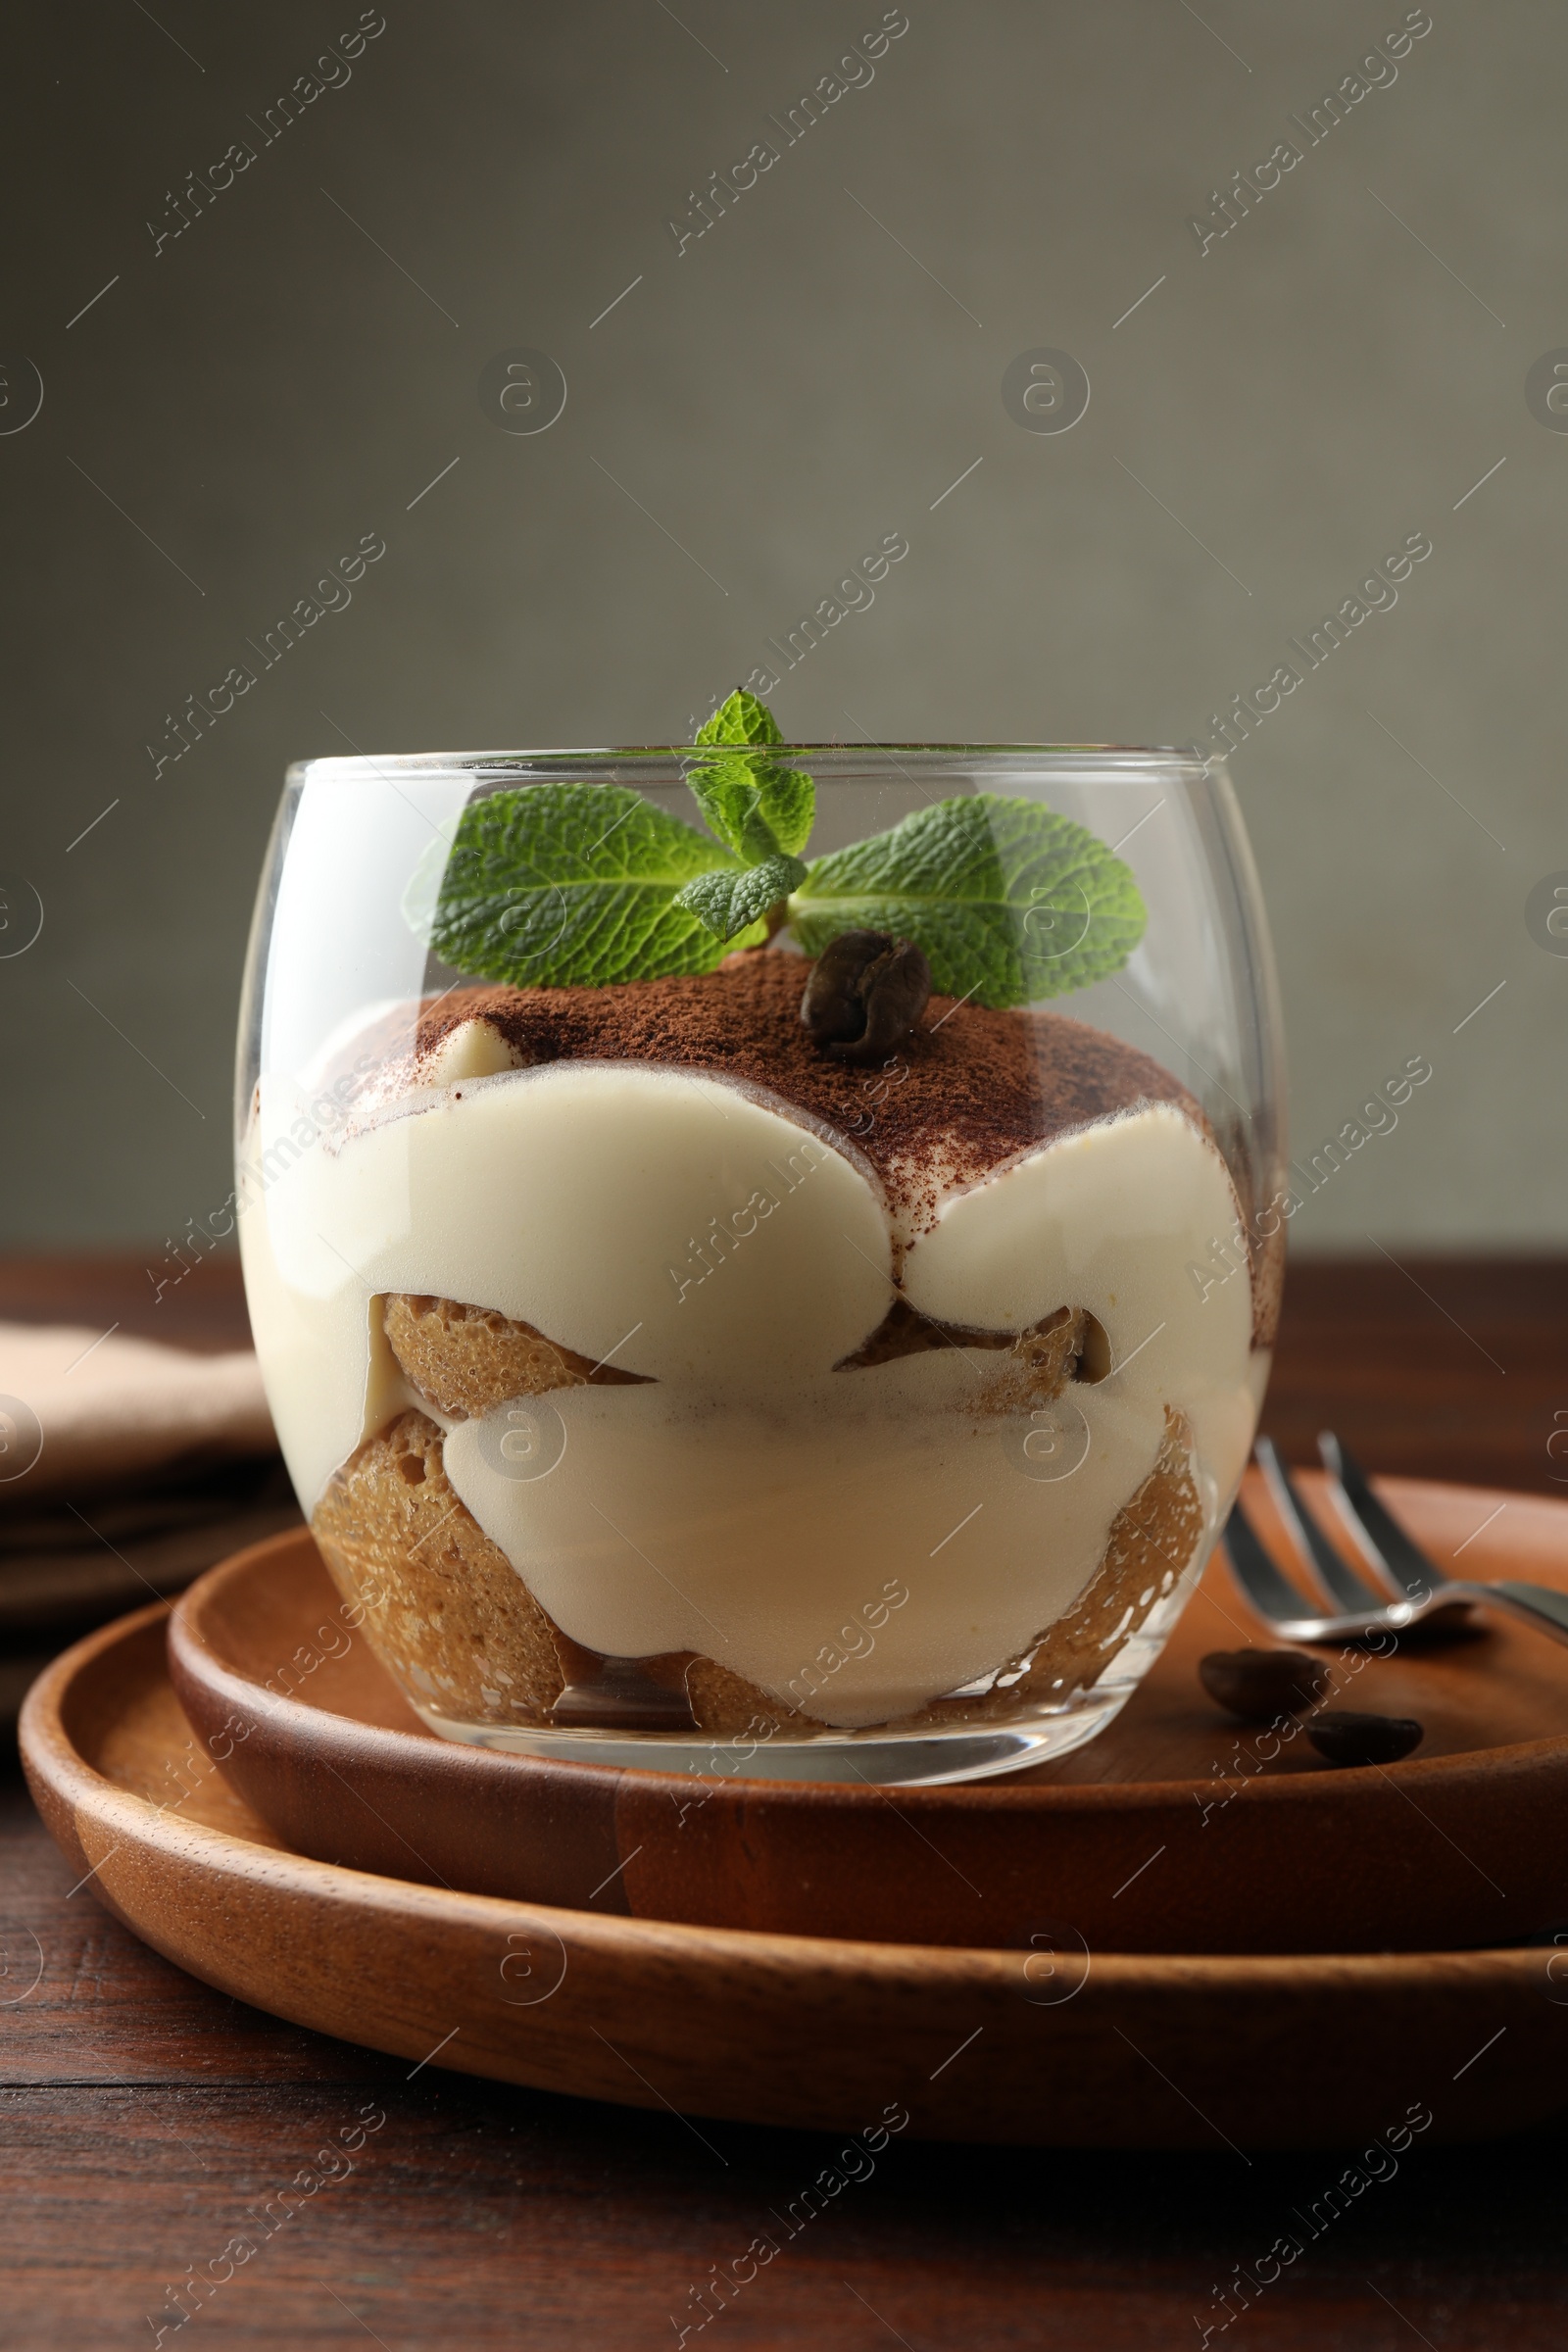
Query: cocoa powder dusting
(969, 1089)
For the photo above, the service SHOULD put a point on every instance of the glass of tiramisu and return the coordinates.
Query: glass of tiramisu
(763, 1257)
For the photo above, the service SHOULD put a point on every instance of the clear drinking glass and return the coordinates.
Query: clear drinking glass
(674, 1391)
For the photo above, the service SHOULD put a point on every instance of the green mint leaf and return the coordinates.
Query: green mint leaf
(1009, 902)
(757, 808)
(741, 720)
(573, 885)
(726, 901)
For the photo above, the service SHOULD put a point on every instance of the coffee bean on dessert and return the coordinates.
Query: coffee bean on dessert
(1257, 1685)
(865, 992)
(832, 1007)
(1349, 1738)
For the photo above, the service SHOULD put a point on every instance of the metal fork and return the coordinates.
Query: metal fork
(1356, 1608)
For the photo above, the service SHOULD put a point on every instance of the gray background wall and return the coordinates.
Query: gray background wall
(1285, 407)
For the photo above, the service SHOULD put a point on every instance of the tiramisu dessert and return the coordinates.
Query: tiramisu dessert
(760, 1342)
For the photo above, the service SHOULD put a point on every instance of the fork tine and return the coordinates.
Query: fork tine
(1340, 1584)
(1272, 1595)
(1378, 1535)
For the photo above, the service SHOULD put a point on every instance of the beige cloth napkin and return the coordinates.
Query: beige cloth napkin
(112, 1410)
(126, 1467)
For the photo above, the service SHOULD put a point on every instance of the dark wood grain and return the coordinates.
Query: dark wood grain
(506, 2220)
(140, 2112)
(1434, 1368)
(203, 1308)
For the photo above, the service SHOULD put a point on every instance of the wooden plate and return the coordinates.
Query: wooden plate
(1176, 1829)
(1047, 2046)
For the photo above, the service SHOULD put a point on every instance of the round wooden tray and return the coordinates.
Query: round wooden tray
(1176, 1829)
(1049, 2045)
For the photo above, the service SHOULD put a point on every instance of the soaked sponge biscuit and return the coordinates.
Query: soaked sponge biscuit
(1153, 1539)
(469, 1359)
(445, 1610)
(725, 1704)
(1070, 1345)
(1037, 1364)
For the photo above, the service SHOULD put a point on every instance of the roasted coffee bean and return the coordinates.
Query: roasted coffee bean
(1349, 1738)
(832, 1007)
(865, 992)
(1257, 1685)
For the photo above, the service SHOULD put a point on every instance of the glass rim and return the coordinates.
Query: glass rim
(1113, 758)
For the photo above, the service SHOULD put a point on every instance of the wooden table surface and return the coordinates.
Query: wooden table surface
(143, 2118)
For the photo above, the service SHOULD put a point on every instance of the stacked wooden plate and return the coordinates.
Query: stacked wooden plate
(1188, 1934)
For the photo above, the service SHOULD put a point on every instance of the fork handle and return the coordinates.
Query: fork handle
(1535, 1606)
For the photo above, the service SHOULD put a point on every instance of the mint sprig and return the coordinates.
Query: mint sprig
(583, 885)
(759, 809)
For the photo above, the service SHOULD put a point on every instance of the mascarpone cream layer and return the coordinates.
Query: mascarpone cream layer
(752, 1502)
